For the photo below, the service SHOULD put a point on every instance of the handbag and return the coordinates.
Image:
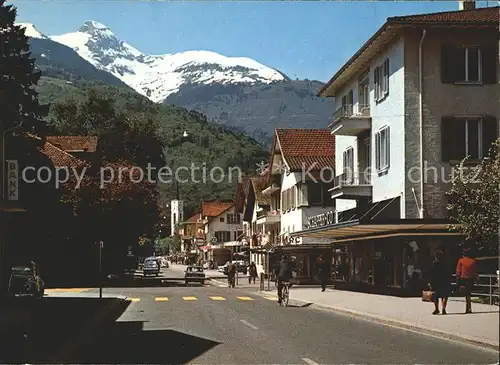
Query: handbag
(428, 295)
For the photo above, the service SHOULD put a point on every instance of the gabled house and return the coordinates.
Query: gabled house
(419, 96)
(301, 171)
(192, 233)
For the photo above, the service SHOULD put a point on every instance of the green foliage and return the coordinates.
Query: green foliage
(475, 201)
(18, 77)
(136, 120)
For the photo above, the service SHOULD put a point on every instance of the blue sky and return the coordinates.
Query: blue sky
(302, 39)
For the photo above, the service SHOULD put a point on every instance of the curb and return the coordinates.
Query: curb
(399, 324)
(93, 324)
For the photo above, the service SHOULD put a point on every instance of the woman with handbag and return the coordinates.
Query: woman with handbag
(440, 282)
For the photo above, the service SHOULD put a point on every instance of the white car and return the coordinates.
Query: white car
(151, 267)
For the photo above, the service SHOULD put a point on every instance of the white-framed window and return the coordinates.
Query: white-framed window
(469, 64)
(382, 149)
(233, 219)
(348, 162)
(472, 64)
(381, 80)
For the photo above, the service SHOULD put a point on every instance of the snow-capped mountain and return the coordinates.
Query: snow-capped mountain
(31, 31)
(158, 76)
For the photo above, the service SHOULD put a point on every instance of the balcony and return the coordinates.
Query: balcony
(265, 216)
(352, 186)
(351, 120)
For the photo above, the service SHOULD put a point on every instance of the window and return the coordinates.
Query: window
(314, 193)
(348, 163)
(223, 236)
(222, 219)
(473, 136)
(381, 80)
(469, 64)
(239, 235)
(347, 102)
(233, 219)
(382, 149)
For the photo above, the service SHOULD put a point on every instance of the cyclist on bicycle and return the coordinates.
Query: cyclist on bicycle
(284, 275)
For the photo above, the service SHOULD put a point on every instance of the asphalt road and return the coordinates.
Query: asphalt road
(213, 325)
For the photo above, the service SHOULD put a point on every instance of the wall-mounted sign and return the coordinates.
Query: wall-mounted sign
(320, 220)
(12, 180)
(291, 240)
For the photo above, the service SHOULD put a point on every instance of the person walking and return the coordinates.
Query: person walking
(231, 273)
(440, 281)
(466, 276)
(252, 273)
(323, 271)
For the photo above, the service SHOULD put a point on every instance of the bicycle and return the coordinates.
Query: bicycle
(285, 294)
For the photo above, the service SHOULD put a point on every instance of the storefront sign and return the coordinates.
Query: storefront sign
(200, 242)
(320, 220)
(13, 180)
(291, 240)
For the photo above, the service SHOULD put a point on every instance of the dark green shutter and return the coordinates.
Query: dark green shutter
(490, 133)
(448, 74)
(489, 58)
(452, 139)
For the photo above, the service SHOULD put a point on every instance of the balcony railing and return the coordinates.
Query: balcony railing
(352, 179)
(351, 111)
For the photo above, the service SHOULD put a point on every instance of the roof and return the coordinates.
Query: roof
(259, 184)
(194, 219)
(478, 17)
(74, 143)
(214, 208)
(306, 148)
(59, 157)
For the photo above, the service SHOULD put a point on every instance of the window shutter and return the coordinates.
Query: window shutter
(387, 147)
(377, 151)
(375, 83)
(490, 133)
(489, 58)
(386, 76)
(449, 64)
(452, 139)
(305, 198)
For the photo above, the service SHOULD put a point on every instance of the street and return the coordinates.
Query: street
(212, 324)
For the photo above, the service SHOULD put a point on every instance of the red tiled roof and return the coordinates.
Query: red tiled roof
(194, 219)
(59, 157)
(307, 148)
(478, 15)
(74, 143)
(214, 208)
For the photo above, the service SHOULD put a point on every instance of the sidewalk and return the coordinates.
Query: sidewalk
(480, 327)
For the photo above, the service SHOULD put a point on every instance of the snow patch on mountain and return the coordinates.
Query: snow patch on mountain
(158, 76)
(31, 31)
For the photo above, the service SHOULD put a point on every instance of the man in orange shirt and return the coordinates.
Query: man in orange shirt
(466, 276)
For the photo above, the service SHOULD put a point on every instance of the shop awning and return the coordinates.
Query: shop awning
(369, 229)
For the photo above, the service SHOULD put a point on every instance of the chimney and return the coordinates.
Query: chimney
(467, 5)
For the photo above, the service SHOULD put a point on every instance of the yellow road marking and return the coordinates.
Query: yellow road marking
(217, 298)
(270, 298)
(134, 299)
(189, 298)
(244, 298)
(66, 290)
(161, 299)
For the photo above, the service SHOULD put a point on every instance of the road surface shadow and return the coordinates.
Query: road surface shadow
(129, 343)
(50, 324)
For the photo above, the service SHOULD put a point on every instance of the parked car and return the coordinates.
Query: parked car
(194, 274)
(150, 267)
(241, 267)
(25, 280)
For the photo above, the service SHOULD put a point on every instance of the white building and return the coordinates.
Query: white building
(176, 214)
(415, 99)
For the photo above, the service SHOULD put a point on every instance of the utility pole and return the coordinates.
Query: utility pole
(101, 244)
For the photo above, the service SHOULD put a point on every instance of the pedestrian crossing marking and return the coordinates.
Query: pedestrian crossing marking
(189, 298)
(217, 298)
(134, 299)
(244, 298)
(161, 299)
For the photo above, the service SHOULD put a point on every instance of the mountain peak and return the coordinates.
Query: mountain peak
(31, 31)
(93, 27)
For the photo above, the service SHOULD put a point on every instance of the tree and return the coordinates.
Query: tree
(18, 75)
(475, 202)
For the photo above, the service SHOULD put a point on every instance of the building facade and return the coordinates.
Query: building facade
(419, 96)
